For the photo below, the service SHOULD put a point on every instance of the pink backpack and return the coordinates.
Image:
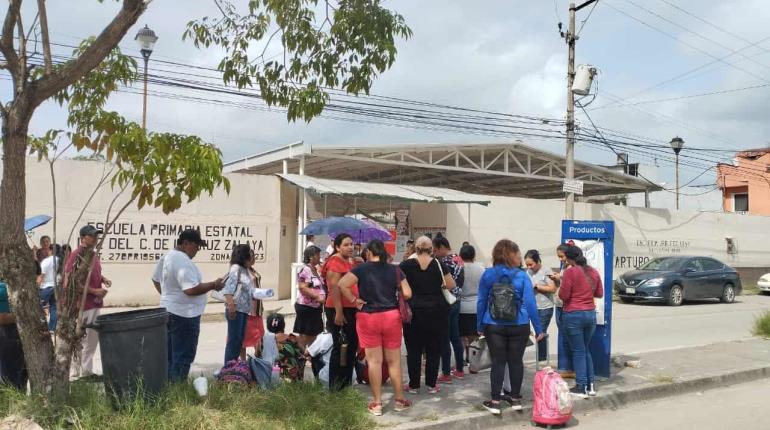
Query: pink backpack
(552, 403)
(236, 372)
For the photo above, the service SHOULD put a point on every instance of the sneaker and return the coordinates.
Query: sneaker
(434, 389)
(591, 390)
(514, 401)
(459, 374)
(579, 391)
(444, 379)
(375, 408)
(411, 390)
(492, 407)
(401, 405)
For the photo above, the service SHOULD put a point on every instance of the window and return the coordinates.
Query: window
(740, 202)
(709, 264)
(694, 265)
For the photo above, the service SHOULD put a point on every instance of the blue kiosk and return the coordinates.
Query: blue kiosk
(596, 239)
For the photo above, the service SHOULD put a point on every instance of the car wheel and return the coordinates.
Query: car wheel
(675, 296)
(626, 300)
(728, 294)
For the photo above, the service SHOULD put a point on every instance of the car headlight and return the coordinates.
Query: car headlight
(654, 282)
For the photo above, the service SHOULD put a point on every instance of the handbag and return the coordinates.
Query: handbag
(448, 296)
(403, 306)
(478, 355)
(219, 296)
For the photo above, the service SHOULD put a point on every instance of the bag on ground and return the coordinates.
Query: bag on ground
(235, 372)
(551, 404)
(478, 355)
(362, 368)
(261, 371)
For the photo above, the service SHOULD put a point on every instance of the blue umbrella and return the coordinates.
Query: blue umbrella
(334, 225)
(35, 222)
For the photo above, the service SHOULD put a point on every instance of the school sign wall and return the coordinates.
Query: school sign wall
(145, 242)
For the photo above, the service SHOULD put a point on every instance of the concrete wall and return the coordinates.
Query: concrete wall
(639, 233)
(252, 212)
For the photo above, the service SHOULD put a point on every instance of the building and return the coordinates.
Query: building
(475, 193)
(746, 184)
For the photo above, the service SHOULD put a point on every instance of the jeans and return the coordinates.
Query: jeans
(580, 326)
(506, 347)
(48, 298)
(545, 320)
(424, 335)
(342, 376)
(453, 338)
(182, 345)
(565, 357)
(13, 369)
(236, 330)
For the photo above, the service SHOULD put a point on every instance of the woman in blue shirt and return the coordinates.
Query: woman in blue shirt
(507, 339)
(13, 370)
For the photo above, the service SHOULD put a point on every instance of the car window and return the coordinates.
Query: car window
(711, 264)
(694, 265)
(663, 264)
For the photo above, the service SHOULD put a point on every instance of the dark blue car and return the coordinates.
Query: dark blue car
(676, 279)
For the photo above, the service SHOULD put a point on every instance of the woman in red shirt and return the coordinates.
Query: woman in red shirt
(340, 314)
(579, 285)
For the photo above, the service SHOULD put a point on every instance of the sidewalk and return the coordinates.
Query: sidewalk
(664, 373)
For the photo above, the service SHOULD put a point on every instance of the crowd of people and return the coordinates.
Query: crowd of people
(437, 301)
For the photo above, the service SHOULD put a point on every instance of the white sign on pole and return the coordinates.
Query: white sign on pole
(573, 186)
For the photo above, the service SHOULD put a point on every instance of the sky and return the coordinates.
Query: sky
(500, 56)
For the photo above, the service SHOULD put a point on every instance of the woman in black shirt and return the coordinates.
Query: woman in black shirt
(378, 321)
(427, 276)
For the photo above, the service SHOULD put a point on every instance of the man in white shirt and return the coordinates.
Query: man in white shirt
(184, 296)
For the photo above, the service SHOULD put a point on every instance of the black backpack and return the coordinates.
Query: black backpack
(503, 302)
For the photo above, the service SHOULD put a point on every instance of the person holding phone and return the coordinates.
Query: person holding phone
(544, 288)
(238, 292)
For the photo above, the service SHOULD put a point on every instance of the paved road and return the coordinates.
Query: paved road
(636, 327)
(737, 407)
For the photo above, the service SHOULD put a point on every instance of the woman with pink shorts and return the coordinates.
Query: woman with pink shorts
(378, 322)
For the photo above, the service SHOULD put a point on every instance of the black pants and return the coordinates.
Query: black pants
(342, 376)
(13, 370)
(506, 346)
(424, 335)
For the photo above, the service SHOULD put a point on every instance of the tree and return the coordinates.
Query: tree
(345, 47)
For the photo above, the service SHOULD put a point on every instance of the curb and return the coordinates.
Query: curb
(611, 400)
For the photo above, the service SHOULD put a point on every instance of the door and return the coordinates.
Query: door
(715, 272)
(696, 282)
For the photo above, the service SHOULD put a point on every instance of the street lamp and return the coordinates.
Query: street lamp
(146, 39)
(677, 144)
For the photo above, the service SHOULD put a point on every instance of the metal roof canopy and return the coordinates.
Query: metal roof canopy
(503, 169)
(379, 191)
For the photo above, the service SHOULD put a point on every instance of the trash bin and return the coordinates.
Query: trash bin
(134, 358)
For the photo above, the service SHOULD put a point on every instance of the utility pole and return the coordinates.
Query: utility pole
(569, 203)
(571, 38)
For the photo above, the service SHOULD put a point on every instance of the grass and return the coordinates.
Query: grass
(762, 325)
(750, 290)
(227, 407)
(662, 379)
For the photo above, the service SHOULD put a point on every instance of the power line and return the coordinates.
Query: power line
(583, 24)
(691, 96)
(689, 45)
(711, 24)
(695, 33)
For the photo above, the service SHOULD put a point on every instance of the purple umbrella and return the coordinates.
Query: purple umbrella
(373, 231)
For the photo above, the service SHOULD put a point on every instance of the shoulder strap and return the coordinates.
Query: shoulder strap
(589, 278)
(443, 281)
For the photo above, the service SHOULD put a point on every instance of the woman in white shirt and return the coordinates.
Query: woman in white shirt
(238, 292)
(473, 272)
(50, 271)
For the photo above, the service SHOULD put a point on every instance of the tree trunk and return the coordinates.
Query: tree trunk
(17, 265)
